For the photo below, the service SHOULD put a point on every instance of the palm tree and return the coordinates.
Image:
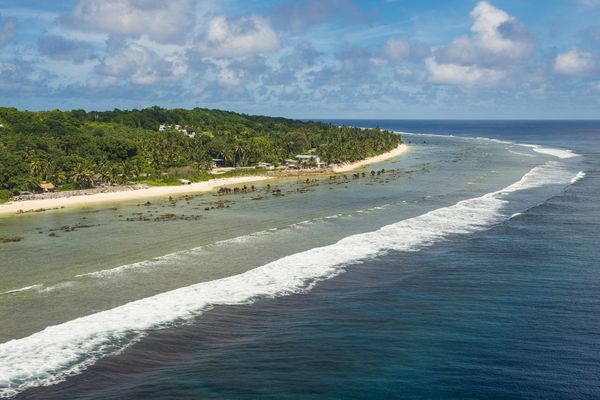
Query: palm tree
(82, 175)
(40, 167)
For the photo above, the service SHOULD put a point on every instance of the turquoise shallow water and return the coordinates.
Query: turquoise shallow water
(501, 305)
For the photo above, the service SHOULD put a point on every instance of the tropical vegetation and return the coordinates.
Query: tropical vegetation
(80, 149)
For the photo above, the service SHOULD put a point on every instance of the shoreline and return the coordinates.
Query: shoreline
(347, 167)
(40, 205)
(30, 206)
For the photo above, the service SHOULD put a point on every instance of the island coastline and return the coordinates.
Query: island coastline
(40, 205)
(347, 167)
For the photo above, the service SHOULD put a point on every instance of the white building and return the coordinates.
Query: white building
(265, 165)
(179, 128)
(306, 158)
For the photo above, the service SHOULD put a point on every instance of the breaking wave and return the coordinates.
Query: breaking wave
(51, 355)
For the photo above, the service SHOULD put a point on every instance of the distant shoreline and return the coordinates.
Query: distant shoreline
(39, 205)
(347, 167)
(27, 206)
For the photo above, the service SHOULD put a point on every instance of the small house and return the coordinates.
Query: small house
(218, 162)
(308, 158)
(47, 187)
(265, 165)
(292, 164)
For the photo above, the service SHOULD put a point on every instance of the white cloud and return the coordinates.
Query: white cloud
(229, 77)
(496, 37)
(496, 48)
(462, 75)
(575, 62)
(396, 49)
(162, 21)
(141, 65)
(237, 37)
(499, 33)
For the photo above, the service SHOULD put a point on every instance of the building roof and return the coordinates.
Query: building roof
(47, 186)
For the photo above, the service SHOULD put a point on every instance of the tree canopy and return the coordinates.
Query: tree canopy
(79, 148)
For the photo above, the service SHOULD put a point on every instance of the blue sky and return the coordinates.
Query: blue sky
(307, 59)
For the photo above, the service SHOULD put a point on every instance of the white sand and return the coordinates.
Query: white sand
(140, 194)
(163, 191)
(403, 148)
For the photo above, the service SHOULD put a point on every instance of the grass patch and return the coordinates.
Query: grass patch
(239, 172)
(72, 186)
(5, 195)
(161, 181)
(200, 176)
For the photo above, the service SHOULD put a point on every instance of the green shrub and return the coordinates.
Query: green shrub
(5, 195)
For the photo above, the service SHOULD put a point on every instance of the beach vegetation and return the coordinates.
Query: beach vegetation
(82, 149)
(5, 195)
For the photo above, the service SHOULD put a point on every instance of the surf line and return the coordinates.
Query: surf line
(57, 352)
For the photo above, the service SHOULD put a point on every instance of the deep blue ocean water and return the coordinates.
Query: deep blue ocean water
(512, 312)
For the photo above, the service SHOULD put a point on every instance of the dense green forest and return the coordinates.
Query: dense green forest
(78, 149)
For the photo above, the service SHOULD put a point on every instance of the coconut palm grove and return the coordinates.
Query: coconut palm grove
(78, 149)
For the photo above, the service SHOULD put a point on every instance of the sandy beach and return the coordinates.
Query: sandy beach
(141, 194)
(25, 206)
(403, 148)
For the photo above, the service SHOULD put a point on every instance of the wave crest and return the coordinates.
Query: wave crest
(51, 355)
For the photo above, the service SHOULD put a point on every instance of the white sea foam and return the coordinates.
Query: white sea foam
(154, 262)
(521, 154)
(58, 286)
(580, 175)
(560, 153)
(495, 140)
(247, 238)
(59, 351)
(23, 289)
(194, 252)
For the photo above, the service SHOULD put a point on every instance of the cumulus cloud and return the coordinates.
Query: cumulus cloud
(161, 21)
(11, 75)
(575, 62)
(496, 37)
(293, 65)
(242, 71)
(60, 48)
(496, 44)
(19, 78)
(463, 75)
(230, 77)
(400, 49)
(396, 49)
(302, 56)
(7, 30)
(234, 37)
(139, 65)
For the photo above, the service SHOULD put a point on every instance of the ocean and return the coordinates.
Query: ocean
(465, 269)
